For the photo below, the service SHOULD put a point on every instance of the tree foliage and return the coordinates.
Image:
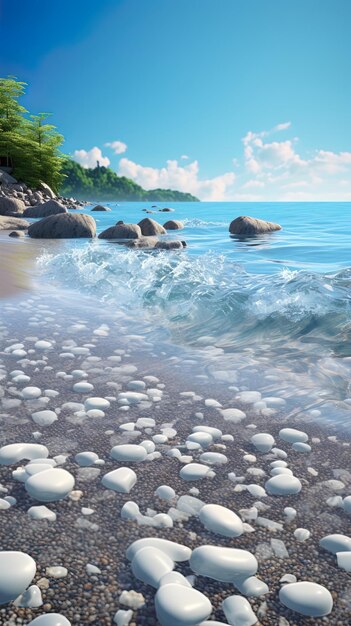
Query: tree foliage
(102, 183)
(28, 143)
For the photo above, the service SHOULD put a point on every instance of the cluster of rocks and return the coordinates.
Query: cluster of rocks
(12, 189)
(144, 234)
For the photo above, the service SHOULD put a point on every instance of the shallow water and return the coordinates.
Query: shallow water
(279, 300)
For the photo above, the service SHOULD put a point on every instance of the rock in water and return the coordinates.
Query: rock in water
(64, 226)
(173, 225)
(245, 225)
(9, 206)
(17, 570)
(100, 207)
(51, 207)
(307, 598)
(150, 227)
(142, 242)
(121, 231)
(170, 245)
(8, 223)
(177, 605)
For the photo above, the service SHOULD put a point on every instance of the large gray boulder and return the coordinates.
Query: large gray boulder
(9, 206)
(13, 223)
(245, 225)
(100, 207)
(151, 228)
(121, 231)
(173, 225)
(64, 226)
(51, 207)
(47, 190)
(6, 178)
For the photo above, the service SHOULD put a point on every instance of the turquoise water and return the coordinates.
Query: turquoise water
(281, 301)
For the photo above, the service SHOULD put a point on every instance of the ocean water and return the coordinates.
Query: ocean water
(276, 307)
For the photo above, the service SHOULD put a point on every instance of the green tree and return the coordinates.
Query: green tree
(28, 144)
(11, 117)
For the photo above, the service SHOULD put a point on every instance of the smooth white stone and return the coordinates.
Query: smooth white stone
(15, 452)
(79, 374)
(132, 397)
(263, 442)
(249, 397)
(202, 438)
(300, 446)
(83, 387)
(278, 471)
(224, 564)
(136, 385)
(92, 569)
(177, 605)
(290, 513)
(31, 393)
(42, 345)
(194, 471)
(50, 619)
(176, 578)
(344, 560)
(288, 578)
(163, 520)
(4, 505)
(160, 438)
(51, 485)
(165, 492)
(220, 520)
(291, 435)
(251, 586)
(96, 403)
(128, 453)
(232, 415)
(275, 464)
(31, 598)
(130, 510)
(145, 422)
(189, 504)
(21, 378)
(150, 564)
(302, 534)
(214, 432)
(44, 418)
(307, 598)
(256, 491)
(56, 571)
(283, 485)
(41, 512)
(121, 480)
(336, 543)
(238, 611)
(122, 617)
(86, 459)
(346, 503)
(213, 458)
(175, 551)
(17, 570)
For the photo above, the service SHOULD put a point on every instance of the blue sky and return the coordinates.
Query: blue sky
(228, 99)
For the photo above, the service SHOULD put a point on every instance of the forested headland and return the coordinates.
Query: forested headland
(30, 149)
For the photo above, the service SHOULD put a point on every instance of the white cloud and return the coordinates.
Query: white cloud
(175, 176)
(89, 158)
(118, 147)
(283, 126)
(184, 157)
